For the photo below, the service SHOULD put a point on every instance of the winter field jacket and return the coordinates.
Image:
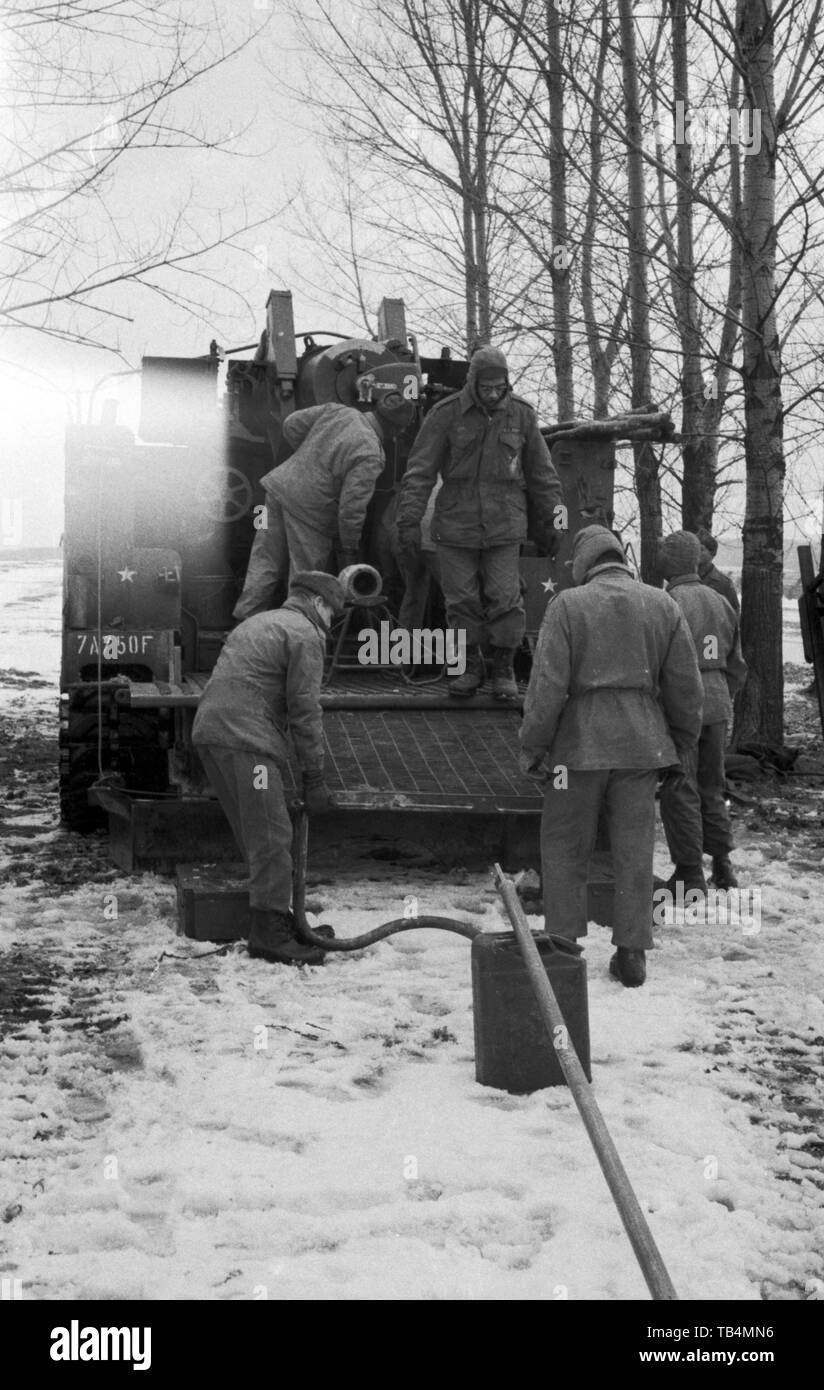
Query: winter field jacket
(615, 681)
(714, 578)
(329, 480)
(714, 628)
(490, 463)
(267, 679)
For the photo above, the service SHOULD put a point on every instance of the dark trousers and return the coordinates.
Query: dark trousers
(417, 587)
(281, 548)
(250, 790)
(693, 810)
(482, 589)
(569, 827)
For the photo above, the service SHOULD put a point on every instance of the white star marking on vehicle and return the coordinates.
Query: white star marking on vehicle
(126, 575)
(548, 586)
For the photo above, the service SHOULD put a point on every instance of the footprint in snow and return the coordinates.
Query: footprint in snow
(433, 1007)
(419, 1191)
(502, 1102)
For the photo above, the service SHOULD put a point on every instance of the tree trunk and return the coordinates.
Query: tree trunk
(559, 268)
(475, 92)
(698, 486)
(647, 480)
(715, 403)
(470, 277)
(600, 357)
(760, 709)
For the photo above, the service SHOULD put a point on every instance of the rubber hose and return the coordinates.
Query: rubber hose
(368, 938)
(300, 853)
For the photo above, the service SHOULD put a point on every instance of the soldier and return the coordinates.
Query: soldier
(710, 574)
(693, 808)
(485, 443)
(268, 679)
(321, 492)
(615, 694)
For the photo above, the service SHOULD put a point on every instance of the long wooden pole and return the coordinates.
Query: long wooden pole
(646, 1251)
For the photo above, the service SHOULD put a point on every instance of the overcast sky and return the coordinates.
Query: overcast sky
(43, 379)
(275, 164)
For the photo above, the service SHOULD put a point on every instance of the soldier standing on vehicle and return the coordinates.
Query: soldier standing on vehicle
(267, 680)
(693, 807)
(615, 694)
(485, 443)
(319, 496)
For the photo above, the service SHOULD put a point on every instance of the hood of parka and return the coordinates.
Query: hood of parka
(595, 545)
(679, 553)
(491, 361)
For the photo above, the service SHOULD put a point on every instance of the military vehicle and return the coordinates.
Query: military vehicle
(157, 536)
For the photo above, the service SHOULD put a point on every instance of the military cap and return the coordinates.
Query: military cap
(324, 585)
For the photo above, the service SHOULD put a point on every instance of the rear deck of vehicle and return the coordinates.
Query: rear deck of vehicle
(403, 761)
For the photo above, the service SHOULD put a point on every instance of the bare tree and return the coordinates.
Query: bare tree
(647, 482)
(706, 330)
(420, 99)
(74, 121)
(780, 232)
(559, 269)
(760, 710)
(603, 349)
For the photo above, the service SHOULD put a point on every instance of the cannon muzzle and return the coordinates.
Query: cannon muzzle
(360, 583)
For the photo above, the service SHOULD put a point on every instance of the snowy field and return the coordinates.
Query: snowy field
(183, 1124)
(792, 645)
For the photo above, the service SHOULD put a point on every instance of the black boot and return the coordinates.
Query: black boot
(271, 938)
(504, 685)
(723, 875)
(463, 686)
(630, 967)
(690, 875)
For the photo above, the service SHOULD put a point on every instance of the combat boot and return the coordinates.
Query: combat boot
(723, 874)
(463, 686)
(271, 938)
(504, 685)
(630, 967)
(691, 876)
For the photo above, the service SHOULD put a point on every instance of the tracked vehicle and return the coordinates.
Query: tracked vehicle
(158, 531)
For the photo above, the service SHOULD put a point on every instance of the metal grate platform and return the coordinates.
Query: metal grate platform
(393, 746)
(426, 760)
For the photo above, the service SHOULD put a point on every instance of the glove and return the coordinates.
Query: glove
(549, 541)
(347, 558)
(409, 547)
(316, 798)
(532, 765)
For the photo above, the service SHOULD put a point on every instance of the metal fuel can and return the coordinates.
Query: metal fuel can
(513, 1049)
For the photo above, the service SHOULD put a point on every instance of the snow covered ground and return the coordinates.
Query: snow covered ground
(792, 644)
(184, 1124)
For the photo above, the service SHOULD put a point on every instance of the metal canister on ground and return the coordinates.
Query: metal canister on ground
(513, 1049)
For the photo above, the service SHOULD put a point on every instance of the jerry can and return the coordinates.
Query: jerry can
(513, 1047)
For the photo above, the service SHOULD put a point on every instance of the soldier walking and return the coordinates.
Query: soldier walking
(615, 694)
(693, 807)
